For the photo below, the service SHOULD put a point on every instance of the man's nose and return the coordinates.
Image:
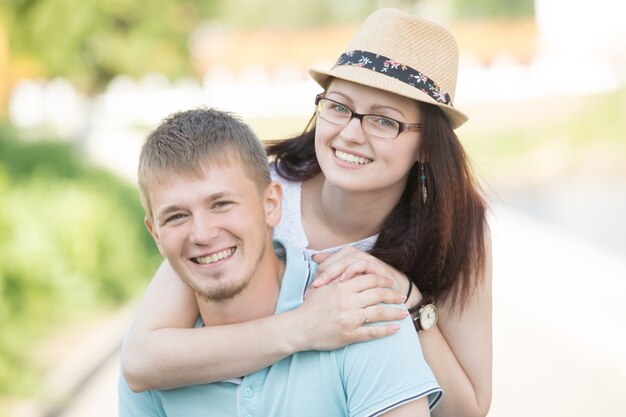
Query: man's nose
(204, 230)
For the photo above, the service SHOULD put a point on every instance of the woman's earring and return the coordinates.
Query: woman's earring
(423, 179)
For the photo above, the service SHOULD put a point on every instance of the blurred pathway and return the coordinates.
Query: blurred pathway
(99, 397)
(559, 315)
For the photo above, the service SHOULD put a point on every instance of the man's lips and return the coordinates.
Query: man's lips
(215, 257)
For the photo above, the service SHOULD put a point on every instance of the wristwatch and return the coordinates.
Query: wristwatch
(424, 315)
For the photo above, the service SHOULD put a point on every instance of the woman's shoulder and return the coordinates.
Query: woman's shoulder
(275, 176)
(290, 227)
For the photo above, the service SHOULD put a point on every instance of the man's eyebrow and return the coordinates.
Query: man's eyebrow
(219, 195)
(164, 212)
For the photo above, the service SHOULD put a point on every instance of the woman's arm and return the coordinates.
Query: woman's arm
(458, 349)
(161, 350)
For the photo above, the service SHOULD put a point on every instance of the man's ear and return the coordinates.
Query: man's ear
(153, 232)
(273, 203)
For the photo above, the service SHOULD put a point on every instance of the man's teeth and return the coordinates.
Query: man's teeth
(351, 158)
(216, 256)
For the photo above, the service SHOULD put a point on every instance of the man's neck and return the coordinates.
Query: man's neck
(255, 301)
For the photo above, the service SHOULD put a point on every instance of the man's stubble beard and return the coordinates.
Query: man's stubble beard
(229, 291)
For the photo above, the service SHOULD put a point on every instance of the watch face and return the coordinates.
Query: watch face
(428, 316)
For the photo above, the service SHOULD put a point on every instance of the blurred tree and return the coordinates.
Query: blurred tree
(294, 14)
(493, 8)
(90, 41)
(72, 244)
(4, 68)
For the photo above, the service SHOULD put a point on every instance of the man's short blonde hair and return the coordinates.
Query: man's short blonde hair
(188, 142)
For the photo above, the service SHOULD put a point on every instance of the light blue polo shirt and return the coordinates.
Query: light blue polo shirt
(363, 379)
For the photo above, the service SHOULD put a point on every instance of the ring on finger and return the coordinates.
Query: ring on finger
(366, 319)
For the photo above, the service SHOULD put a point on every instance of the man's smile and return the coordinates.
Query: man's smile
(215, 257)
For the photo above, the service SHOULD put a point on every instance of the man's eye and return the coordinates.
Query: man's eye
(173, 217)
(222, 204)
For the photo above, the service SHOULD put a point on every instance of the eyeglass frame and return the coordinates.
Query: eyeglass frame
(413, 127)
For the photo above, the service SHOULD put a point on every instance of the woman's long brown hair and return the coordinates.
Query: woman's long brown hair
(439, 244)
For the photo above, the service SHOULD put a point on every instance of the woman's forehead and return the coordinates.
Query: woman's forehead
(356, 93)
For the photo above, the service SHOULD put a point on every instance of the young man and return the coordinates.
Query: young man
(210, 206)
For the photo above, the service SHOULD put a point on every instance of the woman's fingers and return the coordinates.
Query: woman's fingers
(371, 289)
(336, 315)
(321, 257)
(365, 330)
(350, 263)
(365, 333)
(366, 282)
(378, 313)
(345, 264)
(374, 296)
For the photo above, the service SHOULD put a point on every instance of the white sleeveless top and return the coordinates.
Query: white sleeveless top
(290, 228)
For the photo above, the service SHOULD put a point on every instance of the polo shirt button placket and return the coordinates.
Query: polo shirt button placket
(249, 403)
(247, 392)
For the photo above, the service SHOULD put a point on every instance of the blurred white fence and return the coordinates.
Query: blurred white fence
(112, 125)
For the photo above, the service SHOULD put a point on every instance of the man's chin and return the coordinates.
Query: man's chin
(222, 294)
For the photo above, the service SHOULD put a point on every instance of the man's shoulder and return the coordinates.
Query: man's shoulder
(296, 260)
(298, 275)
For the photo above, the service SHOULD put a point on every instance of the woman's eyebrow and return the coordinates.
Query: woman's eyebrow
(373, 108)
(340, 94)
(392, 108)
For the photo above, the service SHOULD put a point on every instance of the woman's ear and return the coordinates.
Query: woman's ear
(273, 203)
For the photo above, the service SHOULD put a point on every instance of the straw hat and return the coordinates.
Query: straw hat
(403, 54)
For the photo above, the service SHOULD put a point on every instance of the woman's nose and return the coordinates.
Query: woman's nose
(353, 131)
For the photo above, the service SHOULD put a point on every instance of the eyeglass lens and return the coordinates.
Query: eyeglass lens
(375, 125)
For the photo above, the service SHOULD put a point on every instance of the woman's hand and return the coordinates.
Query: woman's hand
(350, 262)
(335, 315)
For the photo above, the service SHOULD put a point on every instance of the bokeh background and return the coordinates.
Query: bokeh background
(83, 81)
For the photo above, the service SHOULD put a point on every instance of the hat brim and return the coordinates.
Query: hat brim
(384, 82)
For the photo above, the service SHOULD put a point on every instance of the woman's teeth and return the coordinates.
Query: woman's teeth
(351, 158)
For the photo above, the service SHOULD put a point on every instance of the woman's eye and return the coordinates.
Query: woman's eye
(340, 109)
(384, 122)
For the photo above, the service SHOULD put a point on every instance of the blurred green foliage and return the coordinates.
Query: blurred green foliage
(480, 9)
(90, 41)
(584, 138)
(297, 14)
(72, 242)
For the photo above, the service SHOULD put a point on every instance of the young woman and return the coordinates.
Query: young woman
(381, 183)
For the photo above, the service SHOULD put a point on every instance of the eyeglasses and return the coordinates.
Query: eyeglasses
(382, 127)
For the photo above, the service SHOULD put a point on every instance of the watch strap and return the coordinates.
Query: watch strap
(416, 310)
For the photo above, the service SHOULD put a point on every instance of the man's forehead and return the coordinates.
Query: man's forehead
(201, 169)
(209, 178)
